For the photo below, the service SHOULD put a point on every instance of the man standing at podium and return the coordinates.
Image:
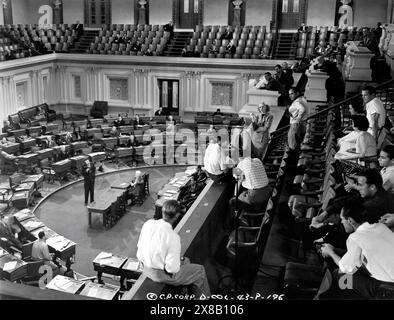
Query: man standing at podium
(89, 175)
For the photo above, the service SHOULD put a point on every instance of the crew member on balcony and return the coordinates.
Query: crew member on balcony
(298, 113)
(159, 251)
(376, 112)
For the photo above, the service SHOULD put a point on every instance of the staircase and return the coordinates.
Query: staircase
(178, 42)
(84, 42)
(285, 48)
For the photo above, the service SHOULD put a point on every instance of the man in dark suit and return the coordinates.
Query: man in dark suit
(8, 231)
(169, 27)
(162, 112)
(78, 27)
(89, 175)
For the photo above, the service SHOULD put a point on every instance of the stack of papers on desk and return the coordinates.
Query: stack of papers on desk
(22, 214)
(102, 257)
(133, 265)
(58, 243)
(93, 292)
(63, 283)
(33, 224)
(9, 266)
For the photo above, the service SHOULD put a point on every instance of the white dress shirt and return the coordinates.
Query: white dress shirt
(159, 246)
(387, 174)
(214, 159)
(372, 107)
(371, 245)
(298, 110)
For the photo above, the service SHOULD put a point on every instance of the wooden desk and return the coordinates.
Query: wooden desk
(100, 291)
(31, 224)
(97, 156)
(77, 162)
(123, 140)
(65, 284)
(78, 145)
(16, 273)
(103, 204)
(132, 269)
(45, 153)
(108, 263)
(26, 144)
(23, 214)
(110, 142)
(34, 131)
(28, 160)
(61, 168)
(63, 248)
(10, 147)
(37, 179)
(124, 152)
(121, 185)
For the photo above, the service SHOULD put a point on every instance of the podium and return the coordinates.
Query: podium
(257, 96)
(315, 87)
(357, 62)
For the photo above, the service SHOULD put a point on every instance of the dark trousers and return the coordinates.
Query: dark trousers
(89, 188)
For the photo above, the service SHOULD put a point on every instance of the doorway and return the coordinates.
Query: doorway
(169, 95)
(187, 13)
(97, 13)
(291, 13)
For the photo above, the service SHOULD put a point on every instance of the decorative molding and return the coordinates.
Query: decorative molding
(142, 71)
(192, 74)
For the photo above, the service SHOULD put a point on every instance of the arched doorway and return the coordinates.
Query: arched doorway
(187, 14)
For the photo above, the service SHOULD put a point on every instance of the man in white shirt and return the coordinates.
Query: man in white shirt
(376, 113)
(216, 162)
(254, 181)
(386, 161)
(299, 111)
(159, 250)
(40, 251)
(369, 259)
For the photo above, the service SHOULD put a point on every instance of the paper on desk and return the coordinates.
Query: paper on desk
(33, 224)
(133, 265)
(103, 255)
(58, 242)
(171, 191)
(168, 198)
(9, 266)
(92, 292)
(67, 285)
(167, 194)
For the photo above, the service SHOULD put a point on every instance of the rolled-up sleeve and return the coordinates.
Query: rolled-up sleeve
(352, 259)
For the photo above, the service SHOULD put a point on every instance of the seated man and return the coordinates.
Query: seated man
(9, 231)
(371, 194)
(218, 112)
(368, 261)
(216, 163)
(254, 181)
(40, 251)
(159, 251)
(386, 161)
